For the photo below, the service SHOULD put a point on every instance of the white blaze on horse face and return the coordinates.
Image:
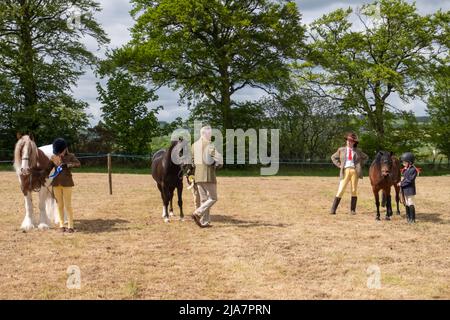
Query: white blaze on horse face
(25, 168)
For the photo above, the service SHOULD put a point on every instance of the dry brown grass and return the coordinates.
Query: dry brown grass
(272, 239)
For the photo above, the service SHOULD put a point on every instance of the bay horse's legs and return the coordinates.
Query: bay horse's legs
(388, 204)
(397, 197)
(168, 195)
(171, 207)
(180, 199)
(377, 201)
(27, 223)
(44, 222)
(163, 197)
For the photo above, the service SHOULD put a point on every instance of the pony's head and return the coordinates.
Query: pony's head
(384, 159)
(25, 155)
(181, 154)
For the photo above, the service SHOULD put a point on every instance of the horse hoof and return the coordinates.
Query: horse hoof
(387, 218)
(181, 219)
(166, 220)
(171, 214)
(43, 226)
(377, 218)
(27, 225)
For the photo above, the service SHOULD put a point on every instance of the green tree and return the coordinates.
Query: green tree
(439, 111)
(211, 49)
(126, 114)
(310, 127)
(392, 51)
(42, 57)
(405, 134)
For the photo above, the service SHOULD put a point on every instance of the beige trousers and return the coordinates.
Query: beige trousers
(351, 176)
(208, 197)
(63, 196)
(409, 201)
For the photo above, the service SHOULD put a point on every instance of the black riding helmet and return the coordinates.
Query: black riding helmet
(408, 157)
(59, 145)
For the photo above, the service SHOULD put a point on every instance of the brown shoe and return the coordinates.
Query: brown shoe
(62, 229)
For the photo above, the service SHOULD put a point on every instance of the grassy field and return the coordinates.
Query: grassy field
(250, 170)
(272, 238)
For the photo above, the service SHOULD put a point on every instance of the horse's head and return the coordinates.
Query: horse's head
(385, 160)
(181, 154)
(25, 155)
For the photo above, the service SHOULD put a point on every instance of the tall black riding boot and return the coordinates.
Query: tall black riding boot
(353, 205)
(335, 205)
(408, 214)
(412, 214)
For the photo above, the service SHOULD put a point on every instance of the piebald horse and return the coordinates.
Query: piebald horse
(30, 164)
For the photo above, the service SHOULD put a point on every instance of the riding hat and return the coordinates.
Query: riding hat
(408, 157)
(59, 145)
(352, 137)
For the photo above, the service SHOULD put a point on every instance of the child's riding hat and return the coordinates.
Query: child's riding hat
(59, 145)
(408, 157)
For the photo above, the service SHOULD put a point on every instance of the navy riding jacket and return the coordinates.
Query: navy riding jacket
(409, 181)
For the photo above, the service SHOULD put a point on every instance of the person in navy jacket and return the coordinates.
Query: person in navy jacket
(408, 185)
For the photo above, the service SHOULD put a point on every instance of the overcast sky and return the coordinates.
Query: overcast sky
(116, 21)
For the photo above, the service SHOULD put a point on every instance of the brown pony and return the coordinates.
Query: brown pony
(31, 165)
(384, 173)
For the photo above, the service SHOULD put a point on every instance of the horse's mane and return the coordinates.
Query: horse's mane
(33, 156)
(378, 157)
(158, 154)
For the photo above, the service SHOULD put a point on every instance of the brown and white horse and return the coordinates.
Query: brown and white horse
(30, 164)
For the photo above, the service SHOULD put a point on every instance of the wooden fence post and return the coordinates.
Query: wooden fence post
(110, 173)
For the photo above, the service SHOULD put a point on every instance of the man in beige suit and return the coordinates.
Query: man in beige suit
(206, 160)
(350, 161)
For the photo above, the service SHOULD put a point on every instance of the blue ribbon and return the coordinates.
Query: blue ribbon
(57, 171)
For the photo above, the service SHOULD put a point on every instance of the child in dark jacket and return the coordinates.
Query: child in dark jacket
(408, 185)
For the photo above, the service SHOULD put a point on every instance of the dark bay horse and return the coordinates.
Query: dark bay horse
(384, 173)
(168, 177)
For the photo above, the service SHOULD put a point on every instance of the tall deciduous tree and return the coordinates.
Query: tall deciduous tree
(439, 111)
(127, 115)
(42, 57)
(391, 51)
(310, 127)
(210, 49)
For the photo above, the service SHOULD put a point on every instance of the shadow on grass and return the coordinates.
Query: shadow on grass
(244, 223)
(431, 217)
(99, 225)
